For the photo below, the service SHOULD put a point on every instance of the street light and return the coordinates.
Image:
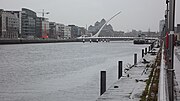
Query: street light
(170, 53)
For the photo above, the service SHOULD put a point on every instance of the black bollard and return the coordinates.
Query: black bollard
(142, 53)
(152, 46)
(119, 69)
(135, 59)
(103, 82)
(145, 51)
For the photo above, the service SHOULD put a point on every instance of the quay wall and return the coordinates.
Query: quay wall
(30, 41)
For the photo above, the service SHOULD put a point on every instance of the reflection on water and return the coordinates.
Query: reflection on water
(60, 71)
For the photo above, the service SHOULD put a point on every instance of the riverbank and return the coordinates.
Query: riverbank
(29, 41)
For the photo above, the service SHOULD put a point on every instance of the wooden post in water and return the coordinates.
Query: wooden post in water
(135, 59)
(103, 82)
(142, 53)
(119, 69)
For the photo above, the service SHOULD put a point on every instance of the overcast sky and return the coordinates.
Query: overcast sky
(136, 14)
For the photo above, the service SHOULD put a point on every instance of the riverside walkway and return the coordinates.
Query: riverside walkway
(177, 72)
(131, 85)
(177, 63)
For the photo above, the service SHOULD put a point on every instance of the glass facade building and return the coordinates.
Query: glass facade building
(28, 23)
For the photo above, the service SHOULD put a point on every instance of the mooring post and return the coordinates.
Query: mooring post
(142, 53)
(145, 51)
(135, 59)
(103, 82)
(152, 45)
(119, 69)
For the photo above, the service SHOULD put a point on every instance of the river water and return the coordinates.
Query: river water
(60, 71)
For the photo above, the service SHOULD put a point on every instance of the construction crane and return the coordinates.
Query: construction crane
(44, 33)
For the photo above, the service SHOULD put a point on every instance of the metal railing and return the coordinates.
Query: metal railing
(163, 86)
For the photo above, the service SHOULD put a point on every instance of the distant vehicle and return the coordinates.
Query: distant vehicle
(45, 37)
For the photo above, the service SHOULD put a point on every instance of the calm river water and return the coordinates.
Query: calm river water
(60, 71)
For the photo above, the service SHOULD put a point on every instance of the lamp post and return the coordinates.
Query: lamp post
(171, 17)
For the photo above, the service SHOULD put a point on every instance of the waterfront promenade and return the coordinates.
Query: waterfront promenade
(177, 72)
(131, 88)
(131, 85)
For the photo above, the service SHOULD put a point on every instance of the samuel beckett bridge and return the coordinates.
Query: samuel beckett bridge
(96, 38)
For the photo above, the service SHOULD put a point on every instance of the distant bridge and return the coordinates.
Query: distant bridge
(128, 38)
(97, 34)
(97, 39)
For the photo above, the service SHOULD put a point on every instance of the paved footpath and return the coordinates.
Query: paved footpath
(177, 72)
(132, 84)
(177, 63)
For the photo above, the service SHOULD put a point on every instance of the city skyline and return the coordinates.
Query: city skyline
(137, 14)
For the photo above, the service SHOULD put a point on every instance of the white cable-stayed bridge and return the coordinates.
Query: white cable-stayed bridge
(96, 38)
